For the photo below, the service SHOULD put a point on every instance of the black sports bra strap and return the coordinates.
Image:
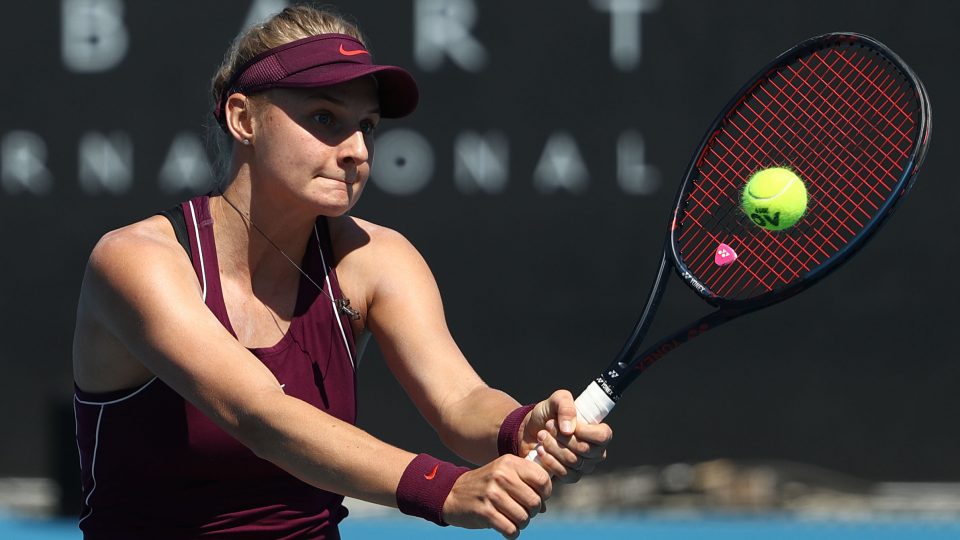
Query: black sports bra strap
(179, 222)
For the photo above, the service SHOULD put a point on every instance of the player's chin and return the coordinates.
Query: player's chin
(336, 208)
(338, 201)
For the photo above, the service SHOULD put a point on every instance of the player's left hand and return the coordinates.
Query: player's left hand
(568, 448)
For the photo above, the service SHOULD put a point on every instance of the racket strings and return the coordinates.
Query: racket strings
(845, 120)
(800, 136)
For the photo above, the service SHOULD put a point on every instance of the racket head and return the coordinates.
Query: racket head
(843, 112)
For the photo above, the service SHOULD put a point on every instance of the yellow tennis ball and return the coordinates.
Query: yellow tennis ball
(775, 198)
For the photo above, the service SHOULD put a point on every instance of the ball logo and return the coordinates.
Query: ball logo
(763, 218)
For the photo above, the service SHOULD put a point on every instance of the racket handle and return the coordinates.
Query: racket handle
(593, 405)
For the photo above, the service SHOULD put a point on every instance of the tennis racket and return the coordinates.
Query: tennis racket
(851, 120)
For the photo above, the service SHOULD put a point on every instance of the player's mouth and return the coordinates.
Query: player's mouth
(348, 179)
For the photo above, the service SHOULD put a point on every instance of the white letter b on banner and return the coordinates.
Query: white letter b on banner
(93, 36)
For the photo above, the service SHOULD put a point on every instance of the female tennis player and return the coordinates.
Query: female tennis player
(214, 354)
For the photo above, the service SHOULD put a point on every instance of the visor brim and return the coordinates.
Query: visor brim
(398, 91)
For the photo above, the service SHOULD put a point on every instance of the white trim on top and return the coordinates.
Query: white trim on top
(93, 468)
(118, 400)
(76, 431)
(196, 232)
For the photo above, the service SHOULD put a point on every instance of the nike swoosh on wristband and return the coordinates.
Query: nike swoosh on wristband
(351, 53)
(433, 473)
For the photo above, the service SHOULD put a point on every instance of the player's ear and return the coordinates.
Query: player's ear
(238, 113)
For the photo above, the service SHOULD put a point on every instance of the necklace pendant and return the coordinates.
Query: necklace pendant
(343, 306)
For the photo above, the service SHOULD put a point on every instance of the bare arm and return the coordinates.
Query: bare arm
(406, 316)
(405, 313)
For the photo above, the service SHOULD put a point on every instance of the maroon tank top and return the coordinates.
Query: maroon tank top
(153, 466)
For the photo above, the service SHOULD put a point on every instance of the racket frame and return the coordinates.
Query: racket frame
(628, 364)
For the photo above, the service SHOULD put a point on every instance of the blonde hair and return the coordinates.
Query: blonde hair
(295, 22)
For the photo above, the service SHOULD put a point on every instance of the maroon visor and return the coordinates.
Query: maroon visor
(322, 60)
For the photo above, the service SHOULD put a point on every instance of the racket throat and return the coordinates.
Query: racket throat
(623, 372)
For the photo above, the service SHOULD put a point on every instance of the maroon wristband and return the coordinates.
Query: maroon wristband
(424, 487)
(508, 440)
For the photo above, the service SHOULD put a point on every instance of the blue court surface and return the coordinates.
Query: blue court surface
(611, 528)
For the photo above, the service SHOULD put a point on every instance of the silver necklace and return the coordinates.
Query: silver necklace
(342, 303)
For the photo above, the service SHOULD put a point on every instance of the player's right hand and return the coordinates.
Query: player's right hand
(504, 495)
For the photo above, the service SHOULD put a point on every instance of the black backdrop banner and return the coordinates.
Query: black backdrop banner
(536, 178)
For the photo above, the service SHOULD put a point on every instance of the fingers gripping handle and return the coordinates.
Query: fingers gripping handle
(593, 405)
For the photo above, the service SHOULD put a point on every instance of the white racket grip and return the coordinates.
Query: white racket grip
(593, 405)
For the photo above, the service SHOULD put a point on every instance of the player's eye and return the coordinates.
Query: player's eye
(367, 127)
(324, 118)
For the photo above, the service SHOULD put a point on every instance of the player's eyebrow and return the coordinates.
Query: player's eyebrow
(323, 95)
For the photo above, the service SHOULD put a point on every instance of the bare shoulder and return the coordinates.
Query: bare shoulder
(151, 234)
(136, 249)
(142, 262)
(352, 233)
(361, 244)
(374, 261)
